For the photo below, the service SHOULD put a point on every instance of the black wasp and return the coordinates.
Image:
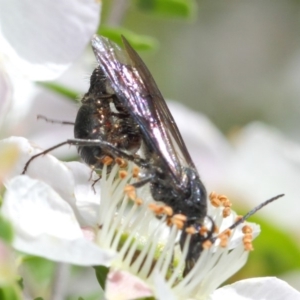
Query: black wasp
(170, 170)
(124, 111)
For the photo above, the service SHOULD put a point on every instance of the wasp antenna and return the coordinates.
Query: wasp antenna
(254, 210)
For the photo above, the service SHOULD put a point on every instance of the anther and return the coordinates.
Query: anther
(121, 162)
(190, 230)
(213, 195)
(138, 201)
(135, 172)
(130, 191)
(223, 198)
(226, 212)
(106, 160)
(123, 174)
(203, 230)
(215, 202)
(247, 229)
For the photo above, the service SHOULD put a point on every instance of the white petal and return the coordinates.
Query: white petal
(45, 224)
(162, 290)
(36, 209)
(44, 37)
(268, 288)
(43, 168)
(87, 196)
(78, 252)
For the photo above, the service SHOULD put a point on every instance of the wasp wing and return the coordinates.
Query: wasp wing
(135, 86)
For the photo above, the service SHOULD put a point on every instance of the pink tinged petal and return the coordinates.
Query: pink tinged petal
(43, 38)
(89, 233)
(266, 288)
(45, 225)
(121, 285)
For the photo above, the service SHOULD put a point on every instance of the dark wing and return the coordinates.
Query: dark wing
(135, 86)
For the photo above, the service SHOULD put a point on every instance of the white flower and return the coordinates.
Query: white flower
(59, 216)
(39, 40)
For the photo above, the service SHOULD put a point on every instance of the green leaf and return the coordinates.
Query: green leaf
(9, 293)
(137, 41)
(61, 90)
(6, 230)
(101, 274)
(169, 8)
(39, 298)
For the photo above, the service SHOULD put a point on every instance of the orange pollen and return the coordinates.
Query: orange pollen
(227, 232)
(168, 211)
(180, 217)
(130, 191)
(223, 241)
(215, 202)
(106, 160)
(179, 224)
(121, 162)
(203, 230)
(248, 247)
(217, 229)
(123, 174)
(169, 222)
(190, 230)
(226, 212)
(157, 209)
(247, 229)
(135, 172)
(227, 203)
(247, 238)
(213, 195)
(223, 198)
(138, 201)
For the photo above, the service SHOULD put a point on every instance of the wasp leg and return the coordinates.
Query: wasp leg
(111, 150)
(54, 121)
(143, 181)
(42, 153)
